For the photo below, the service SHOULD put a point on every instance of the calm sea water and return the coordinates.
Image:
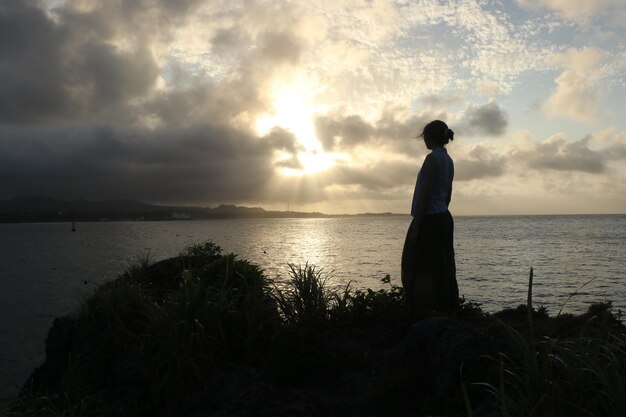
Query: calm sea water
(44, 267)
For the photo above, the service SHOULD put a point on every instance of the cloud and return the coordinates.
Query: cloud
(161, 99)
(556, 154)
(337, 131)
(488, 87)
(282, 139)
(399, 126)
(576, 95)
(198, 164)
(110, 76)
(30, 42)
(488, 119)
(580, 11)
(480, 162)
(52, 70)
(203, 100)
(379, 176)
(434, 100)
(395, 129)
(278, 47)
(611, 142)
(227, 41)
(575, 98)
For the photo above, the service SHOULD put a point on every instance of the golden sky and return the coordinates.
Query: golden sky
(315, 105)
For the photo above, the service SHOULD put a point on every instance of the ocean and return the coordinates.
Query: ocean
(46, 270)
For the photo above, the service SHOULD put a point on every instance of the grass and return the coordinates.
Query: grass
(160, 341)
(207, 333)
(305, 300)
(553, 376)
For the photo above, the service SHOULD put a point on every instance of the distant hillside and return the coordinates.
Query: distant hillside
(42, 204)
(47, 209)
(229, 208)
(42, 208)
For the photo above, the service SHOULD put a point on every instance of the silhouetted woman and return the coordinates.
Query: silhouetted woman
(428, 266)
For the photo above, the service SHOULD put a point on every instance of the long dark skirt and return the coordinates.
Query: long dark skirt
(428, 266)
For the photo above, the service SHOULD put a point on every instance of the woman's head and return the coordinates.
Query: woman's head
(436, 133)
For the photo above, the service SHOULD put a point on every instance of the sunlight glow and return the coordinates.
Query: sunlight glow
(294, 113)
(311, 164)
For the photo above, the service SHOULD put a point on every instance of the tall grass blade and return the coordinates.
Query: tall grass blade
(574, 293)
(466, 400)
(529, 307)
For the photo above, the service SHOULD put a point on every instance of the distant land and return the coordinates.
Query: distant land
(48, 209)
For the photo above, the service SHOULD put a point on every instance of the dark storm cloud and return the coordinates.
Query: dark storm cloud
(31, 67)
(479, 163)
(132, 18)
(559, 155)
(52, 70)
(204, 101)
(113, 77)
(488, 119)
(61, 76)
(204, 163)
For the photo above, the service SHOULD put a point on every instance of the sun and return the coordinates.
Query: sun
(291, 111)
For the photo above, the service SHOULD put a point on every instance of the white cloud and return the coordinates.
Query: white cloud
(577, 91)
(581, 11)
(488, 87)
(612, 143)
(570, 9)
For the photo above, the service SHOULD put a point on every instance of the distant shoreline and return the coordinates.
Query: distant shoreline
(41, 209)
(37, 209)
(150, 217)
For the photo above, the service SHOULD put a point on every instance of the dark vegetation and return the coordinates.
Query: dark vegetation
(207, 334)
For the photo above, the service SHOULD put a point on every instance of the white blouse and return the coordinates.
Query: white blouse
(438, 202)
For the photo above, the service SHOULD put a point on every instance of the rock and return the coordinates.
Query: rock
(60, 338)
(425, 373)
(248, 392)
(438, 349)
(59, 343)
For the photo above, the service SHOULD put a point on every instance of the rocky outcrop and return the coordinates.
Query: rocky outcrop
(59, 345)
(199, 335)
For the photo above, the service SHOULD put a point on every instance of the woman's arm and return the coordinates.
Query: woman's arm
(429, 172)
(449, 197)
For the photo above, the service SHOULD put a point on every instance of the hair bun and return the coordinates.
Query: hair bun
(450, 134)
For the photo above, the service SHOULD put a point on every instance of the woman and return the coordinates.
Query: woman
(428, 267)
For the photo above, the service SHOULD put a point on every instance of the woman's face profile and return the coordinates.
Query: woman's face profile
(429, 142)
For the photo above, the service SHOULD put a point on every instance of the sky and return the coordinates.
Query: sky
(315, 105)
